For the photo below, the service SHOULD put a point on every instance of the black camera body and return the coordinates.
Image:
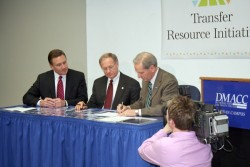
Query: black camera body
(210, 124)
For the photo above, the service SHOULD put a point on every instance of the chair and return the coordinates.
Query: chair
(184, 90)
(190, 91)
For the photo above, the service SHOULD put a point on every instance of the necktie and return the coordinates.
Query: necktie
(148, 99)
(60, 93)
(109, 96)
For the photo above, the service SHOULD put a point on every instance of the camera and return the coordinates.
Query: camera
(210, 124)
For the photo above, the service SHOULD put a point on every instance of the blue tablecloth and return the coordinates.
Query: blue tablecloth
(31, 140)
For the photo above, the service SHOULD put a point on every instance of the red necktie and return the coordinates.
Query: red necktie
(60, 93)
(109, 96)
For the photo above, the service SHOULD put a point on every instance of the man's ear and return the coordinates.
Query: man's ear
(152, 68)
(171, 123)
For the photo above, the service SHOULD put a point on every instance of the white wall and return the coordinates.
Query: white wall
(129, 27)
(29, 30)
(124, 28)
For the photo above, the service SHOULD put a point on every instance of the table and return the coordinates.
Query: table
(35, 140)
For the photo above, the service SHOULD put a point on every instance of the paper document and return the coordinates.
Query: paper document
(106, 114)
(21, 109)
(114, 119)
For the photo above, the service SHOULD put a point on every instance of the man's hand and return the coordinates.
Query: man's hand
(47, 102)
(121, 108)
(80, 105)
(59, 102)
(128, 113)
(167, 128)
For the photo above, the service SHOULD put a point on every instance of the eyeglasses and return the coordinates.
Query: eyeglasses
(109, 68)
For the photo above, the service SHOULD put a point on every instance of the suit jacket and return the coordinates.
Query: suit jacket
(44, 86)
(128, 91)
(165, 88)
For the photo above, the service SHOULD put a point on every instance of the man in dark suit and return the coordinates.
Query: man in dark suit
(164, 87)
(45, 91)
(126, 90)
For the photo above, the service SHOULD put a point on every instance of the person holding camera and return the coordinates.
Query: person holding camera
(176, 144)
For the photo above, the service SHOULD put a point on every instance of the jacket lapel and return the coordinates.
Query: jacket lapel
(157, 83)
(120, 90)
(102, 92)
(69, 84)
(51, 81)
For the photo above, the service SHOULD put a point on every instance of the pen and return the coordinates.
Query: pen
(122, 106)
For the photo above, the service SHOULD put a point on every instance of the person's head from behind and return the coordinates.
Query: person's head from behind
(145, 65)
(180, 113)
(58, 61)
(109, 64)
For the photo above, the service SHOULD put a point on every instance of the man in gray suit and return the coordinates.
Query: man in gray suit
(126, 90)
(164, 88)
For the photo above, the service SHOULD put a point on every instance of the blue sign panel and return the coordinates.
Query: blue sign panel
(232, 98)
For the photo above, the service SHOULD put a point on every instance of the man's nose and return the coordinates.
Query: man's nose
(64, 65)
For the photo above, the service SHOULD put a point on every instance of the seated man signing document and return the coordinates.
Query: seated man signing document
(112, 88)
(158, 87)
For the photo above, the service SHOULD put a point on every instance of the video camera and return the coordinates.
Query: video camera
(210, 124)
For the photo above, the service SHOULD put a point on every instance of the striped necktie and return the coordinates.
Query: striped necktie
(148, 99)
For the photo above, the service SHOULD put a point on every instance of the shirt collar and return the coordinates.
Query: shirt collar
(57, 76)
(116, 77)
(154, 77)
(188, 134)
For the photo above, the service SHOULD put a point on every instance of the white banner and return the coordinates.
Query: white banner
(205, 29)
